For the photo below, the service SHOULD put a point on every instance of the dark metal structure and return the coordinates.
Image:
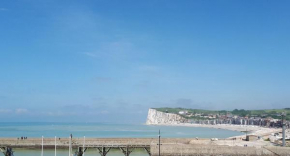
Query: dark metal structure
(80, 151)
(7, 151)
(104, 149)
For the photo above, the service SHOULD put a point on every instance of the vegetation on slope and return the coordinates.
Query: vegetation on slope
(274, 113)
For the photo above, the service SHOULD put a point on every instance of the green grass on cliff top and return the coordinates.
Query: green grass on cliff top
(274, 113)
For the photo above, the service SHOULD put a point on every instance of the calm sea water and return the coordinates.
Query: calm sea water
(102, 130)
(107, 130)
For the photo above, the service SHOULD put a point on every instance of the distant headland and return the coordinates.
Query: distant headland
(263, 118)
(264, 124)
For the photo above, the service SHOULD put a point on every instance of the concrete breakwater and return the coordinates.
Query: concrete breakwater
(169, 147)
(76, 142)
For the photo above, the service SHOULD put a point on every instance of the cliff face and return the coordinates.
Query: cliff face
(156, 117)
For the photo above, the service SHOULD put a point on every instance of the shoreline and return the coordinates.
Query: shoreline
(253, 130)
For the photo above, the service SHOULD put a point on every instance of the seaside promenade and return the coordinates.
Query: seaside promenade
(169, 147)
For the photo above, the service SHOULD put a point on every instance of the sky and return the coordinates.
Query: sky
(111, 60)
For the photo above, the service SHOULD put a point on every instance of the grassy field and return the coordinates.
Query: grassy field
(274, 113)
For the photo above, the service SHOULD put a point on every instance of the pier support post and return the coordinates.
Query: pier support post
(80, 151)
(147, 150)
(126, 151)
(103, 151)
(7, 151)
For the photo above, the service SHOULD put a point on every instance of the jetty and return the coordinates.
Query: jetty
(127, 146)
(104, 149)
(78, 146)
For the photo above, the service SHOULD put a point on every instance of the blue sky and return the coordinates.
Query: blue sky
(111, 60)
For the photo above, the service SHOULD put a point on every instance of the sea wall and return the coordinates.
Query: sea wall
(156, 117)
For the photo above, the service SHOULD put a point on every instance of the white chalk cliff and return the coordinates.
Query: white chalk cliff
(156, 117)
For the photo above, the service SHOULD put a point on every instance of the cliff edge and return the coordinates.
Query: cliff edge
(156, 117)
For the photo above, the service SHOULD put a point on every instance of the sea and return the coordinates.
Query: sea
(102, 130)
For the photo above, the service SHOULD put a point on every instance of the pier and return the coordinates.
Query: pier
(127, 146)
(78, 146)
(104, 149)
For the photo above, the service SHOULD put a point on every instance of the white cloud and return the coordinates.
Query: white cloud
(60, 113)
(21, 111)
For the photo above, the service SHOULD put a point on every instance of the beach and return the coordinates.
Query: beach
(249, 129)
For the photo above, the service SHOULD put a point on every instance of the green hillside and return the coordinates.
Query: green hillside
(274, 113)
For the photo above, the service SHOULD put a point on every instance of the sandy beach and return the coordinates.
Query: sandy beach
(254, 130)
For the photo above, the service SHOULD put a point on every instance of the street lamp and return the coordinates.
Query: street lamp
(283, 114)
(159, 142)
